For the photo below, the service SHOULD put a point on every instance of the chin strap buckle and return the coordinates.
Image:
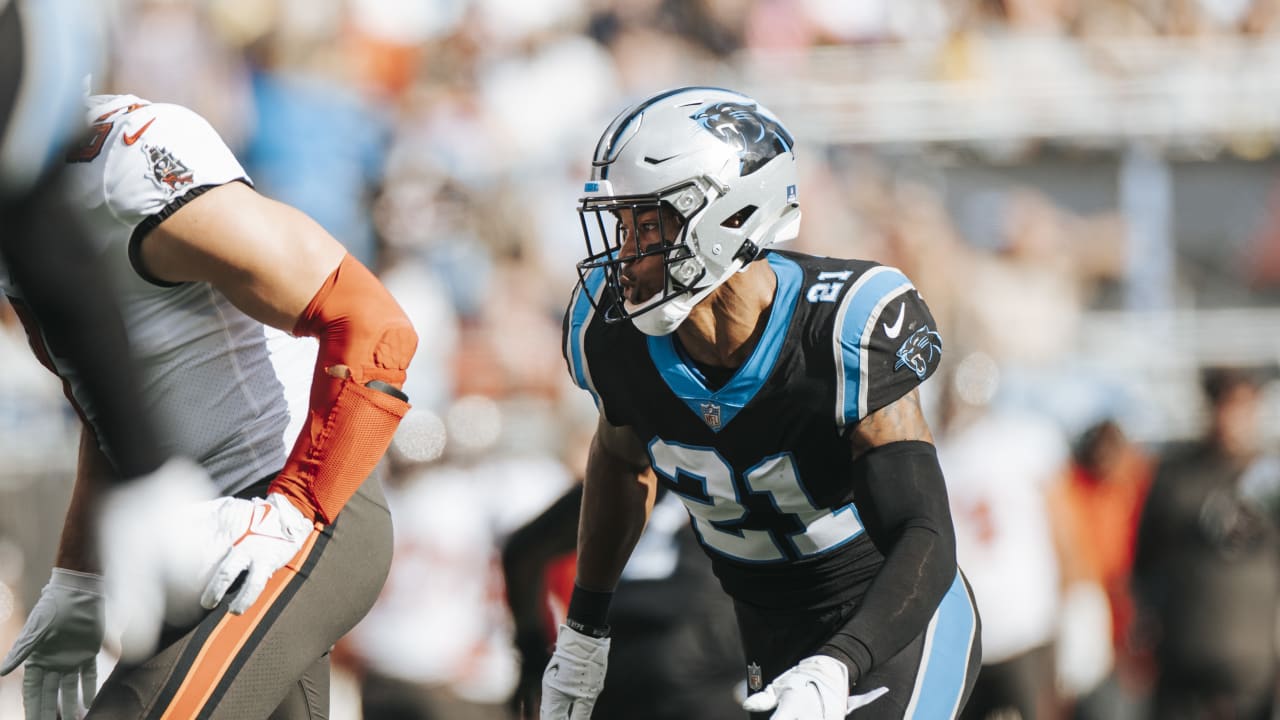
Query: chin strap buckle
(748, 252)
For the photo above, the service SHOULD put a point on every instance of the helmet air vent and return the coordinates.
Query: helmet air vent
(739, 218)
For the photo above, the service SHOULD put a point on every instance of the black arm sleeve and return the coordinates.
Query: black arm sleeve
(77, 311)
(903, 503)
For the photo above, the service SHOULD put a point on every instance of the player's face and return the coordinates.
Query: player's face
(643, 243)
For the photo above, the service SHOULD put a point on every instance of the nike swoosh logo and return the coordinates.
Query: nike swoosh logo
(255, 519)
(893, 330)
(822, 705)
(866, 698)
(253, 523)
(131, 139)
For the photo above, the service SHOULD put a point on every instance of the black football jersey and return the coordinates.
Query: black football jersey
(762, 462)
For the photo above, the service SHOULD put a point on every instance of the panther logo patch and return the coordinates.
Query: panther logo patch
(757, 137)
(919, 350)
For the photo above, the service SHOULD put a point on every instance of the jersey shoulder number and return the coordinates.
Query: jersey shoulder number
(884, 340)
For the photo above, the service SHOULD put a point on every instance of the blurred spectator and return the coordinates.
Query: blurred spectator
(1207, 570)
(319, 147)
(176, 52)
(1001, 466)
(1260, 265)
(1032, 275)
(436, 646)
(1030, 271)
(1104, 493)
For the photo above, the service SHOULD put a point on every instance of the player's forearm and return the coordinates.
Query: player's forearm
(907, 516)
(366, 343)
(897, 606)
(76, 549)
(616, 501)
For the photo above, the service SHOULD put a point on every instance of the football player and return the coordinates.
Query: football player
(775, 393)
(213, 278)
(46, 50)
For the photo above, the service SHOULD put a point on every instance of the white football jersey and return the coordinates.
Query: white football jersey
(999, 470)
(222, 387)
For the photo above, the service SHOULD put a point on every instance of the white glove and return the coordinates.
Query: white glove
(60, 644)
(270, 533)
(574, 676)
(155, 536)
(815, 689)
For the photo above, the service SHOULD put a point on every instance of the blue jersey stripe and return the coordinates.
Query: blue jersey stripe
(858, 310)
(581, 313)
(946, 663)
(686, 382)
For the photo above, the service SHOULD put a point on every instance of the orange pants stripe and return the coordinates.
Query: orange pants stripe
(224, 644)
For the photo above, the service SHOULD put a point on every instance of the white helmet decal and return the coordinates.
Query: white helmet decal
(758, 138)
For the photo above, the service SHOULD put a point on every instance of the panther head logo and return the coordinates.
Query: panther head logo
(919, 351)
(757, 137)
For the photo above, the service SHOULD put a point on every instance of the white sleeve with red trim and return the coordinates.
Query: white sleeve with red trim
(145, 156)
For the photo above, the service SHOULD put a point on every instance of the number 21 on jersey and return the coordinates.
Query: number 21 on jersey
(827, 289)
(717, 513)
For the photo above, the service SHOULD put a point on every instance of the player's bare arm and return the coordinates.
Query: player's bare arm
(904, 505)
(618, 495)
(280, 267)
(902, 419)
(266, 257)
(76, 546)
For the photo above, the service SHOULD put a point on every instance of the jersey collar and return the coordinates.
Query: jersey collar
(717, 408)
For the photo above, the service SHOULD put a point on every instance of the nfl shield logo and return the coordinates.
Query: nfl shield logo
(711, 414)
(754, 680)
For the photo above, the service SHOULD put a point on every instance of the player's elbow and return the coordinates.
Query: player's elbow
(398, 340)
(360, 325)
(397, 329)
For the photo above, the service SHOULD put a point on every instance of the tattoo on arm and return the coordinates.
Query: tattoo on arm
(901, 419)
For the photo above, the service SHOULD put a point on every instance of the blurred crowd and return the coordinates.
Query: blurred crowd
(445, 142)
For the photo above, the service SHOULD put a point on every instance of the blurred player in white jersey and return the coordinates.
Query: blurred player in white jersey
(209, 274)
(46, 50)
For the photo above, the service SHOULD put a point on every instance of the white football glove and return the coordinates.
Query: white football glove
(817, 688)
(155, 535)
(574, 676)
(60, 644)
(269, 533)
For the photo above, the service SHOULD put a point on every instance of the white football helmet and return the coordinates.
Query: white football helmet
(722, 162)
